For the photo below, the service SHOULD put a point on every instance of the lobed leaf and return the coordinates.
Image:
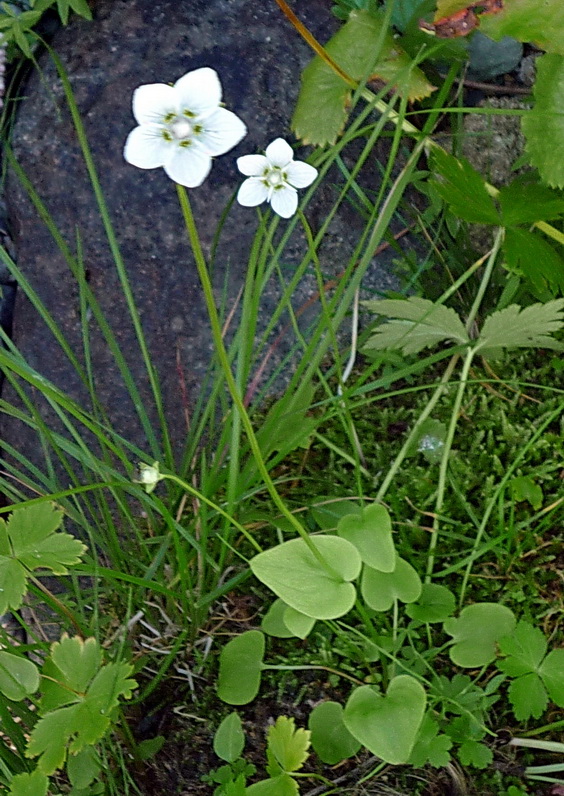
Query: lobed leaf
(530, 255)
(538, 21)
(380, 589)
(34, 784)
(543, 126)
(476, 633)
(371, 533)
(523, 327)
(418, 324)
(430, 747)
(288, 744)
(525, 648)
(463, 188)
(528, 697)
(551, 671)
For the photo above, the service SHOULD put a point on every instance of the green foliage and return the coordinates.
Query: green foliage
(477, 631)
(434, 604)
(29, 541)
(316, 585)
(287, 748)
(17, 25)
(523, 327)
(430, 747)
(363, 50)
(543, 126)
(538, 21)
(330, 739)
(18, 676)
(387, 724)
(381, 589)
(229, 739)
(240, 666)
(371, 534)
(524, 488)
(34, 784)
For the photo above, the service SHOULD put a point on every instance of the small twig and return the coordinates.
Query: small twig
(492, 88)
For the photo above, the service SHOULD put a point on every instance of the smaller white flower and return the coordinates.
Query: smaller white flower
(182, 127)
(274, 177)
(149, 476)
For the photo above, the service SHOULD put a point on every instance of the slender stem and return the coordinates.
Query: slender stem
(229, 378)
(485, 279)
(61, 606)
(444, 461)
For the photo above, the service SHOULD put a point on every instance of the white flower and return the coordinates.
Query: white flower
(182, 127)
(273, 178)
(149, 476)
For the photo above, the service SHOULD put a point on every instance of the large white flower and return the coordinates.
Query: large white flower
(182, 127)
(274, 177)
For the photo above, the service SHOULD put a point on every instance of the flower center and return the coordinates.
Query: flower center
(275, 178)
(181, 129)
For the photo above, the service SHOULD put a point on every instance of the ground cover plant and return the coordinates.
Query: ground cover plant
(394, 510)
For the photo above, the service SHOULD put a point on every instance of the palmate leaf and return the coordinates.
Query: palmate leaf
(76, 726)
(418, 324)
(529, 254)
(321, 110)
(538, 21)
(29, 540)
(523, 327)
(288, 746)
(462, 188)
(544, 125)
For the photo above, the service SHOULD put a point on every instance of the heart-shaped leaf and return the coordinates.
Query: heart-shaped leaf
(330, 738)
(240, 666)
(387, 725)
(380, 589)
(476, 632)
(371, 534)
(321, 590)
(435, 604)
(300, 624)
(273, 621)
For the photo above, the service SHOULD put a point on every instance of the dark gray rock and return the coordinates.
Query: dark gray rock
(259, 57)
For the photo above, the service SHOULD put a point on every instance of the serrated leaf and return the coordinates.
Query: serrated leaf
(418, 323)
(83, 768)
(543, 126)
(322, 106)
(552, 672)
(288, 744)
(18, 676)
(430, 747)
(538, 21)
(472, 753)
(525, 202)
(530, 255)
(68, 671)
(29, 541)
(525, 648)
(34, 784)
(528, 697)
(523, 327)
(476, 633)
(462, 188)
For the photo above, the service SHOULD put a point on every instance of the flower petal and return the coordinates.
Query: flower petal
(222, 131)
(252, 192)
(152, 102)
(284, 201)
(199, 91)
(188, 166)
(300, 174)
(279, 153)
(253, 165)
(146, 148)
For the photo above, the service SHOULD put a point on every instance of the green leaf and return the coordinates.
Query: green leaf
(387, 725)
(327, 511)
(463, 189)
(229, 739)
(296, 575)
(538, 21)
(18, 676)
(476, 633)
(371, 534)
(420, 323)
(34, 784)
(71, 666)
(83, 768)
(29, 541)
(240, 667)
(524, 488)
(525, 648)
(322, 106)
(523, 327)
(287, 744)
(330, 738)
(472, 753)
(544, 125)
(300, 624)
(552, 672)
(273, 621)
(71, 729)
(430, 747)
(525, 202)
(528, 254)
(528, 697)
(380, 589)
(82, 8)
(435, 604)
(282, 785)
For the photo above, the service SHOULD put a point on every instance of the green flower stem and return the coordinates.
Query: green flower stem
(229, 378)
(282, 668)
(458, 403)
(249, 537)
